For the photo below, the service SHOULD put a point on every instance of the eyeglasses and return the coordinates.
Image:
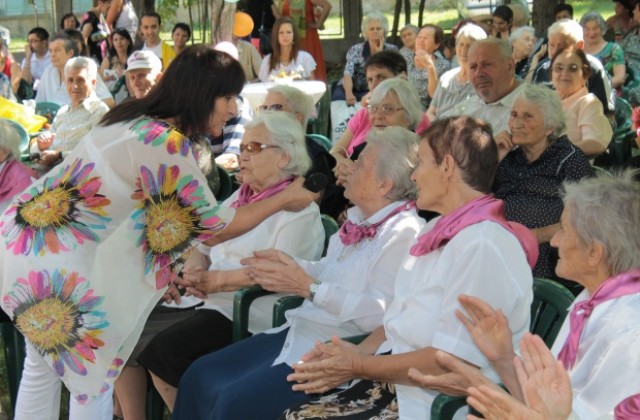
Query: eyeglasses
(253, 148)
(274, 107)
(571, 68)
(386, 109)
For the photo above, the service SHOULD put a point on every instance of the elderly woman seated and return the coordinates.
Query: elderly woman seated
(599, 247)
(455, 86)
(73, 121)
(471, 248)
(272, 153)
(587, 126)
(539, 160)
(522, 41)
(14, 176)
(393, 102)
(300, 105)
(347, 292)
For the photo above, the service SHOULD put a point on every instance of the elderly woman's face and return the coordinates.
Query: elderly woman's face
(463, 44)
(572, 252)
(592, 32)
(566, 74)
(375, 30)
(261, 160)
(523, 46)
(363, 182)
(388, 113)
(428, 179)
(426, 40)
(526, 123)
(408, 37)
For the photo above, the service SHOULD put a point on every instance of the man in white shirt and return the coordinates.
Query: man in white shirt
(492, 74)
(52, 86)
(150, 25)
(36, 56)
(73, 121)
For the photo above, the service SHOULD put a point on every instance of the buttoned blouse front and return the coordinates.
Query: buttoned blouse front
(482, 260)
(356, 284)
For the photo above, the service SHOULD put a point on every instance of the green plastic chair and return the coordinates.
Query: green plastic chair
(14, 353)
(549, 308)
(330, 228)
(226, 186)
(48, 110)
(321, 140)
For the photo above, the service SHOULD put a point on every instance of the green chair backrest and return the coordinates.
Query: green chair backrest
(330, 227)
(321, 140)
(226, 186)
(623, 115)
(549, 308)
(47, 109)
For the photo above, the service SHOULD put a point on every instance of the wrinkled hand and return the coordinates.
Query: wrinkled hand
(45, 140)
(376, 45)
(505, 144)
(27, 52)
(350, 98)
(326, 367)
(496, 404)
(296, 197)
(460, 376)
(171, 295)
(343, 170)
(423, 60)
(541, 52)
(488, 328)
(197, 282)
(278, 272)
(545, 383)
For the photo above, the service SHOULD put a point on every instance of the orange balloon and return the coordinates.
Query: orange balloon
(242, 24)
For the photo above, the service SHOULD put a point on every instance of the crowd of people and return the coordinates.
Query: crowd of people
(463, 173)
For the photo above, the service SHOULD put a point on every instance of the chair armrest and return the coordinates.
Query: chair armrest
(282, 305)
(445, 406)
(242, 300)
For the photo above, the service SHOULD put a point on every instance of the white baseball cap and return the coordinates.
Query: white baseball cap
(144, 60)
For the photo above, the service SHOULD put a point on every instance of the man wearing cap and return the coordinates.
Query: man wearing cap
(248, 56)
(143, 72)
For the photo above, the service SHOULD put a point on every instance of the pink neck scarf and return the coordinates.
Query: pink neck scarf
(351, 233)
(485, 208)
(628, 409)
(246, 196)
(612, 288)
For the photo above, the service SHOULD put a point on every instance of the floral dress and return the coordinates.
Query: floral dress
(88, 250)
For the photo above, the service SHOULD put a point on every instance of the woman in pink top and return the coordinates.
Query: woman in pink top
(394, 102)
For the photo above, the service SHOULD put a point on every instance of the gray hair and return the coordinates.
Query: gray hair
(569, 28)
(9, 139)
(471, 31)
(606, 209)
(80, 63)
(397, 159)
(285, 131)
(407, 97)
(299, 102)
(594, 17)
(548, 101)
(377, 17)
(411, 27)
(504, 47)
(521, 31)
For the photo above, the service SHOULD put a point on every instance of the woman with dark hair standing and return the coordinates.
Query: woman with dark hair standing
(69, 21)
(95, 30)
(286, 60)
(113, 66)
(88, 251)
(502, 22)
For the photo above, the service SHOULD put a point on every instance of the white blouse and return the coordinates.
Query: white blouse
(483, 260)
(304, 64)
(357, 284)
(608, 361)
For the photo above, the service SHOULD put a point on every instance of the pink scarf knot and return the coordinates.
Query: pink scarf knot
(247, 196)
(352, 233)
(485, 208)
(623, 284)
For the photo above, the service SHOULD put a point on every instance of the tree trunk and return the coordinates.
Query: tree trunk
(543, 16)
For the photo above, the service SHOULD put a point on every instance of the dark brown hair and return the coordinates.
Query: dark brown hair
(275, 44)
(584, 61)
(471, 144)
(187, 90)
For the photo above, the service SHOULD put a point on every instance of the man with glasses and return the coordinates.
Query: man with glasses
(36, 56)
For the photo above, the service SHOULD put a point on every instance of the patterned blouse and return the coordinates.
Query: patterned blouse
(419, 78)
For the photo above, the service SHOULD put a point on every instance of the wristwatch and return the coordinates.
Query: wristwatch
(313, 289)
